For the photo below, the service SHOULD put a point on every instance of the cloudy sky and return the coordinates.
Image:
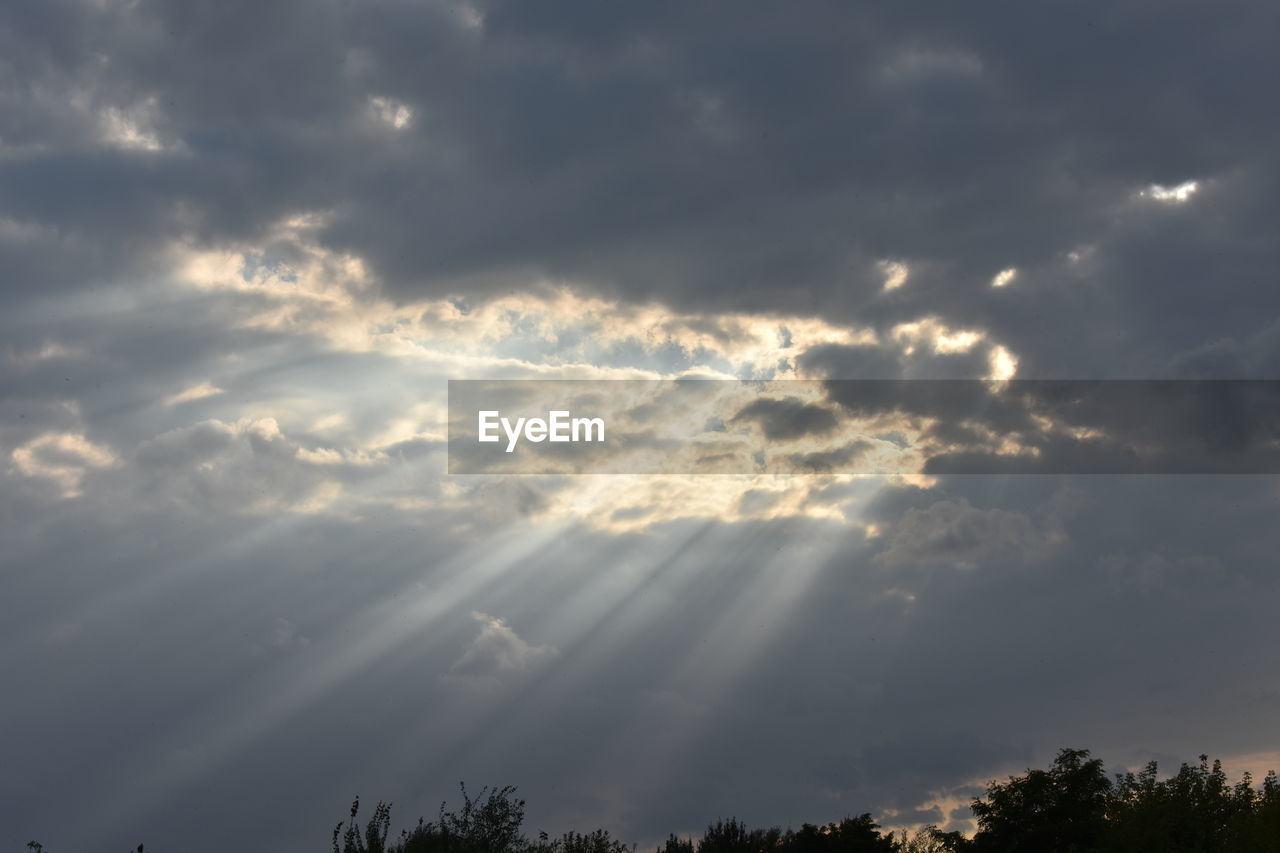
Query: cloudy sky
(244, 245)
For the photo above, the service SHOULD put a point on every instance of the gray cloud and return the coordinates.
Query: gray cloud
(957, 534)
(788, 418)
(678, 153)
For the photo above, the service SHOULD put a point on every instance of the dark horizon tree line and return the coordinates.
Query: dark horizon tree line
(1070, 807)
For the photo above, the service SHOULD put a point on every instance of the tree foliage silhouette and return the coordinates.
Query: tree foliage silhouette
(488, 823)
(1059, 810)
(1195, 810)
(1071, 807)
(851, 835)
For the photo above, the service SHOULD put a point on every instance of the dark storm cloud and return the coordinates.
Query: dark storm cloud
(1150, 556)
(788, 418)
(852, 362)
(708, 155)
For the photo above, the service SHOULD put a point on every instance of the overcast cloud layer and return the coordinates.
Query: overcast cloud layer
(244, 245)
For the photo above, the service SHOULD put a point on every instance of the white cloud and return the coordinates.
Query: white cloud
(1003, 364)
(133, 128)
(895, 274)
(64, 458)
(499, 649)
(1004, 277)
(1172, 195)
(392, 112)
(195, 392)
(547, 329)
(940, 338)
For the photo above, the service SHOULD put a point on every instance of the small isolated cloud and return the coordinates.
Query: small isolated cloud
(499, 649)
(195, 392)
(895, 274)
(1172, 195)
(64, 458)
(391, 112)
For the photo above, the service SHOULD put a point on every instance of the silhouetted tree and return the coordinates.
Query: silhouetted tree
(1072, 808)
(375, 834)
(732, 836)
(1059, 810)
(851, 835)
(575, 842)
(1261, 829)
(676, 845)
(489, 823)
(1195, 811)
(930, 839)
